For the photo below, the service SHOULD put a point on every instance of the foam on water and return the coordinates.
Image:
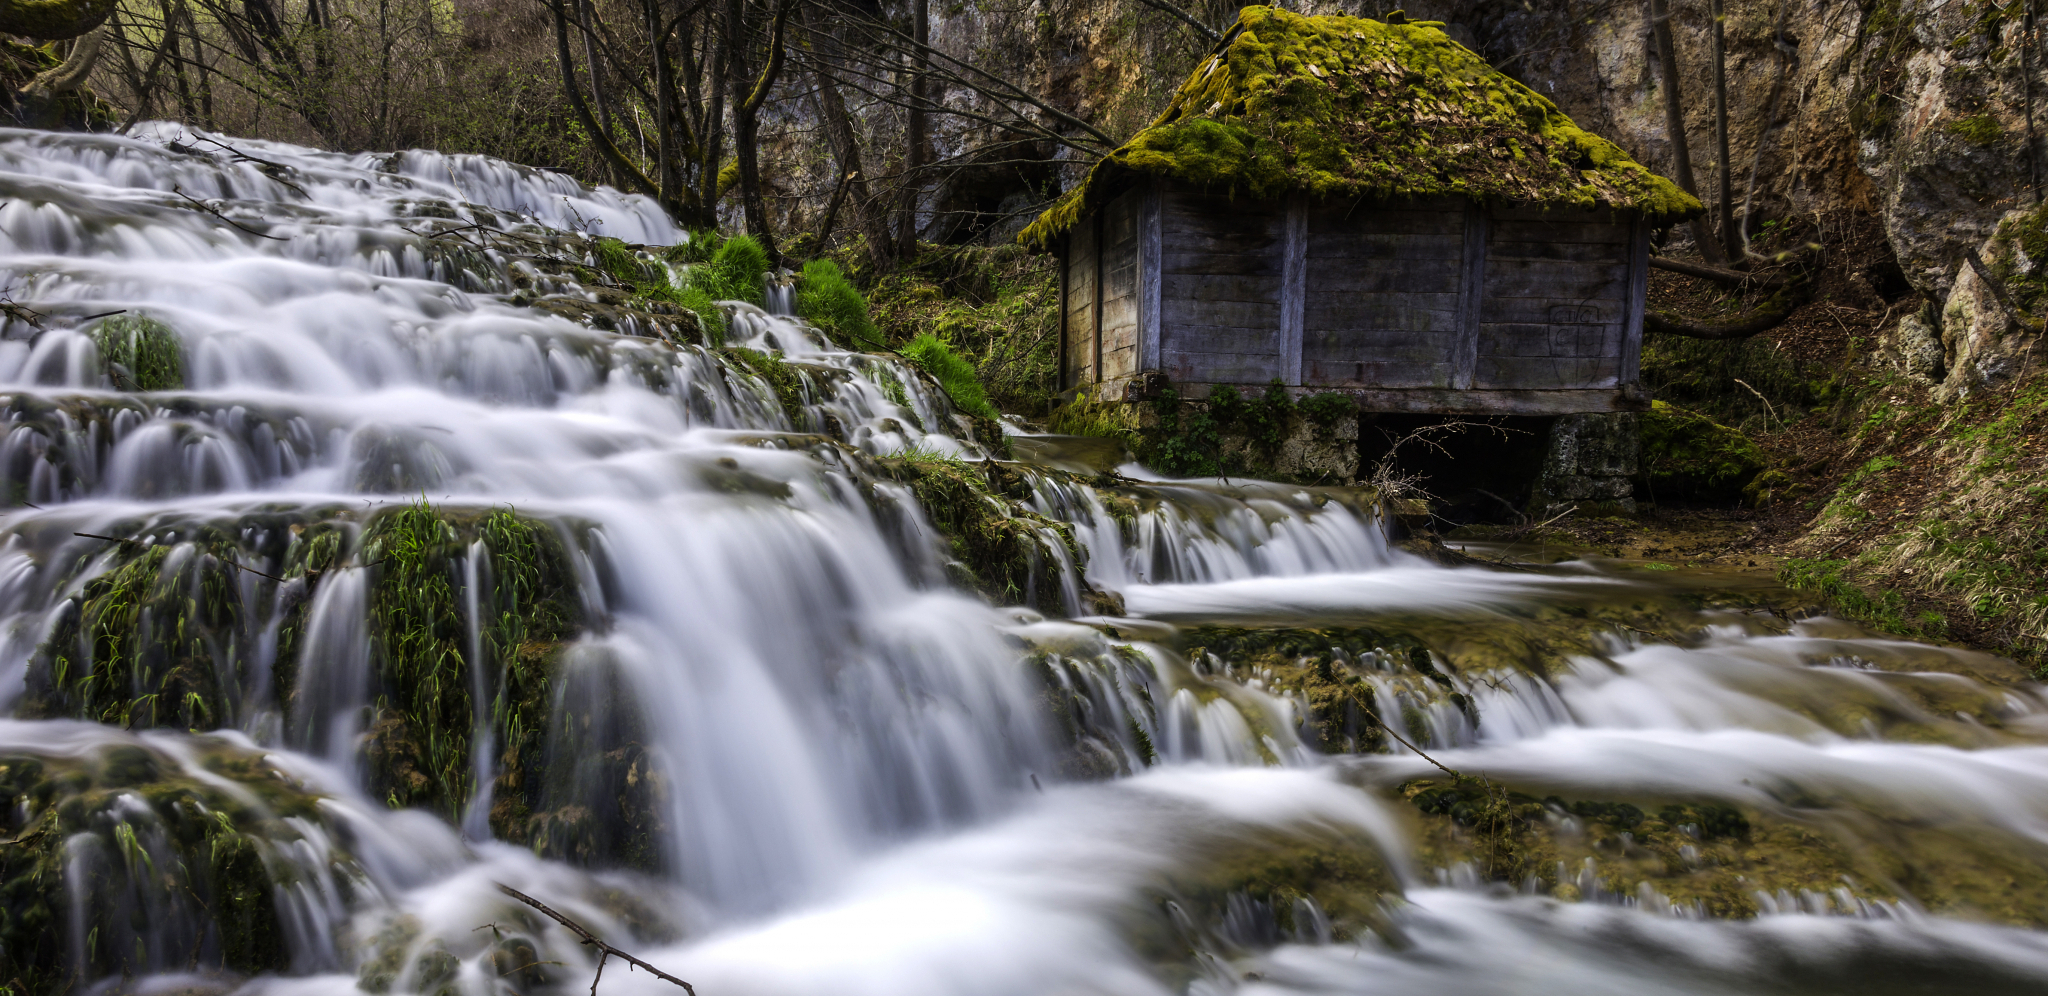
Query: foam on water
(863, 789)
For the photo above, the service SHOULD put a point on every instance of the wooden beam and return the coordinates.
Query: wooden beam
(1150, 207)
(1444, 401)
(1062, 253)
(1293, 288)
(1471, 298)
(1096, 352)
(1638, 296)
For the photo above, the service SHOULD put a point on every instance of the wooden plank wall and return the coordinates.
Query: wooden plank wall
(1555, 312)
(1220, 277)
(1432, 296)
(1077, 366)
(1120, 332)
(1383, 301)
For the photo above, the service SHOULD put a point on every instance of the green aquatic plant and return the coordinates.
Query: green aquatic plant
(140, 353)
(425, 718)
(118, 821)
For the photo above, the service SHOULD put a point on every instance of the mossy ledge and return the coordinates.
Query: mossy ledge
(1344, 107)
(998, 546)
(203, 847)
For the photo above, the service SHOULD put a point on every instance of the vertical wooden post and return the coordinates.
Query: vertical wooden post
(1631, 371)
(1150, 209)
(1293, 288)
(1096, 377)
(1471, 299)
(1065, 255)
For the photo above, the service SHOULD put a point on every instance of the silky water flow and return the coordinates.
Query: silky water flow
(772, 744)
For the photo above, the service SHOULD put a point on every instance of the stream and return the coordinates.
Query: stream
(380, 550)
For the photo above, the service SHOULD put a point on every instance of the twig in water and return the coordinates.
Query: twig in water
(244, 157)
(203, 206)
(224, 560)
(604, 950)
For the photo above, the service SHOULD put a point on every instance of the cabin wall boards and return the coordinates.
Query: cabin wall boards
(1556, 305)
(1420, 305)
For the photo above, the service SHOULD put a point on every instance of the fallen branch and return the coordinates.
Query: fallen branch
(224, 560)
(203, 206)
(1718, 274)
(604, 950)
(1763, 319)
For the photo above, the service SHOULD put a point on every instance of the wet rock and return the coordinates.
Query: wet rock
(174, 848)
(1591, 463)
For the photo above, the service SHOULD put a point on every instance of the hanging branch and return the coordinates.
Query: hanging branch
(203, 206)
(1715, 273)
(589, 939)
(1209, 34)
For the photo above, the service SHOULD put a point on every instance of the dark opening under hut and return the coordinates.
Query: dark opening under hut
(1340, 204)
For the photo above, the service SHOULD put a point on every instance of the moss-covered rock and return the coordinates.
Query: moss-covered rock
(1257, 890)
(1689, 457)
(999, 546)
(140, 353)
(1314, 664)
(177, 860)
(425, 715)
(164, 633)
(1348, 107)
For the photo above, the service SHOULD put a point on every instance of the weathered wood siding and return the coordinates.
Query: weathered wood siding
(1078, 363)
(1220, 276)
(1120, 338)
(1382, 306)
(1556, 307)
(1408, 306)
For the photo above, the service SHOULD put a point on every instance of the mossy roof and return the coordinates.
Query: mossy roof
(1348, 107)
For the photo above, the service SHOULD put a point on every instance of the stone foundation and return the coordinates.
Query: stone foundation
(1591, 464)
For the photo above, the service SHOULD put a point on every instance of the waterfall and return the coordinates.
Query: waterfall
(369, 544)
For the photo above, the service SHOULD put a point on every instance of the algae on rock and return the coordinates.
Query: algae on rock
(204, 840)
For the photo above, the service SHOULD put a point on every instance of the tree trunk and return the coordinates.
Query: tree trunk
(1724, 188)
(918, 155)
(746, 116)
(871, 217)
(595, 65)
(1674, 120)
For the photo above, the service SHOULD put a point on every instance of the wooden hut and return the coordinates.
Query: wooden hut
(1339, 204)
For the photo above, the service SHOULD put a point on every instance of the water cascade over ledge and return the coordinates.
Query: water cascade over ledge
(370, 542)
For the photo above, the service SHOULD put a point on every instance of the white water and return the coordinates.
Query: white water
(862, 789)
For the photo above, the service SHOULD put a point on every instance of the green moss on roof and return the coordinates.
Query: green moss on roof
(1347, 107)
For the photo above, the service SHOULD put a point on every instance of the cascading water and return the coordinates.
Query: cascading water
(484, 567)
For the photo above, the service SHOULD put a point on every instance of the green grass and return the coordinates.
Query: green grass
(140, 354)
(1832, 580)
(826, 299)
(954, 374)
(719, 269)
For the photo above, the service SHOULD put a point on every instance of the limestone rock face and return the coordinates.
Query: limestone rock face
(1592, 463)
(1982, 346)
(1942, 132)
(1914, 347)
